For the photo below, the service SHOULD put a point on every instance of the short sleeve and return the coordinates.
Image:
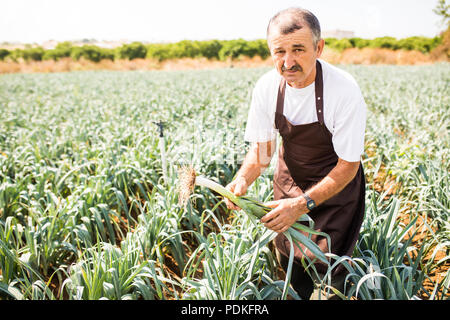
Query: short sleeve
(260, 126)
(349, 127)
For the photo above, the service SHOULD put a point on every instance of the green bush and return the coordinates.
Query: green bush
(232, 49)
(159, 51)
(92, 53)
(330, 42)
(259, 48)
(62, 50)
(359, 42)
(33, 54)
(384, 42)
(210, 49)
(338, 44)
(421, 44)
(51, 54)
(185, 49)
(107, 54)
(131, 51)
(4, 53)
(342, 44)
(15, 55)
(240, 47)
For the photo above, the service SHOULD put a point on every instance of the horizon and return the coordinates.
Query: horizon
(23, 22)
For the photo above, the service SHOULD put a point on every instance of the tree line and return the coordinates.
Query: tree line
(211, 49)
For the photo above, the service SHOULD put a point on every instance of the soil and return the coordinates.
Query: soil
(422, 234)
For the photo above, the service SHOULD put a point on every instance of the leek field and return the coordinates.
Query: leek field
(89, 190)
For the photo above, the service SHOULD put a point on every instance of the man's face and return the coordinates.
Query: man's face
(294, 55)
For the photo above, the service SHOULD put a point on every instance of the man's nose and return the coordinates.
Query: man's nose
(289, 61)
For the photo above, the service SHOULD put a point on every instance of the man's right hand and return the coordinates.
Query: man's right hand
(239, 187)
(255, 162)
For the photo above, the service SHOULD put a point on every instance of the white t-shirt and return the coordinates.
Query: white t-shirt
(344, 110)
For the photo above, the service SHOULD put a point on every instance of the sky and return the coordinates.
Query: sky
(36, 21)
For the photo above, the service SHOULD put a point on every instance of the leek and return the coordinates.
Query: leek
(189, 179)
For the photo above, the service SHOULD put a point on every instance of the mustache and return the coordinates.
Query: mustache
(295, 67)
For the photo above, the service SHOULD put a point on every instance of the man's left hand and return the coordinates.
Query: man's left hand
(285, 213)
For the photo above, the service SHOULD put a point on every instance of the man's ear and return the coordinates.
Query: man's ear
(320, 46)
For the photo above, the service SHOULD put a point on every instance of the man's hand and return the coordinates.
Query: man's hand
(255, 162)
(285, 213)
(239, 187)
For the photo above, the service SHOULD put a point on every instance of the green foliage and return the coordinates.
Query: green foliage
(384, 42)
(210, 49)
(131, 51)
(359, 42)
(4, 53)
(62, 50)
(443, 9)
(185, 49)
(330, 42)
(422, 44)
(15, 55)
(342, 44)
(232, 49)
(92, 53)
(33, 54)
(260, 48)
(159, 51)
(235, 48)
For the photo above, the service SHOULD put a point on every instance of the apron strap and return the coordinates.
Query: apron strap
(319, 92)
(280, 98)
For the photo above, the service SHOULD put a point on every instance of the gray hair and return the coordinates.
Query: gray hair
(292, 19)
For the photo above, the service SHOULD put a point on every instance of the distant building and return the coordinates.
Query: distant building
(338, 34)
(50, 44)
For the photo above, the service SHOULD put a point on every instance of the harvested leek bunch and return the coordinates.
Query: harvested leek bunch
(189, 179)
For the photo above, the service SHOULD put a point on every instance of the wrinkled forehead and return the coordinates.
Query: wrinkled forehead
(302, 36)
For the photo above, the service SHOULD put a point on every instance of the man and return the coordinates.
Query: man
(320, 113)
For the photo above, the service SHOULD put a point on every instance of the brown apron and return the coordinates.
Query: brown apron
(305, 157)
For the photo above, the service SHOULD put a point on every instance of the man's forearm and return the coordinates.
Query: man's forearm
(256, 161)
(286, 211)
(334, 182)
